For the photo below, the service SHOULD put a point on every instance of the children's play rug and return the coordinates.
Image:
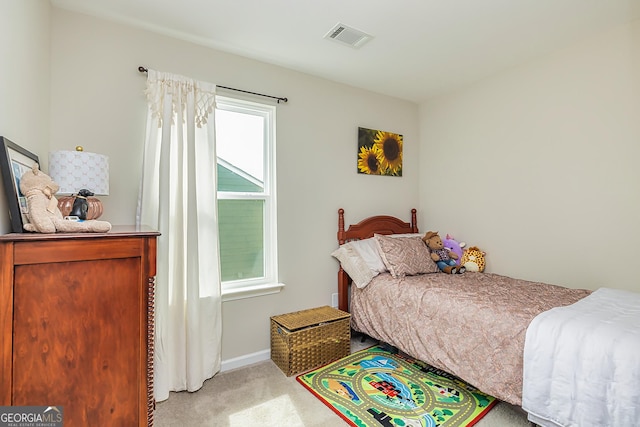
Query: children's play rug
(374, 387)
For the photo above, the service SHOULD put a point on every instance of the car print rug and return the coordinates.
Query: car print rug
(375, 387)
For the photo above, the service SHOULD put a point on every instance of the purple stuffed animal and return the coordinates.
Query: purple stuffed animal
(454, 246)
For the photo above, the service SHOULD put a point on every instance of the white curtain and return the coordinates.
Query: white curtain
(178, 198)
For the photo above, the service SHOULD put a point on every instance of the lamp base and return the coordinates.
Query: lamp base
(65, 204)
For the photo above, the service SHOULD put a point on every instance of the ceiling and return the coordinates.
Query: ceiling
(419, 49)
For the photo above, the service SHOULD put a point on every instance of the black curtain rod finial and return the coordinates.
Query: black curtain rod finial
(142, 69)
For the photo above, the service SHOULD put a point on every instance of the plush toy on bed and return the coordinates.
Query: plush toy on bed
(454, 246)
(473, 259)
(445, 260)
(44, 214)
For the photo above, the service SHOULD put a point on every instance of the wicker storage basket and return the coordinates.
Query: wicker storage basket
(306, 339)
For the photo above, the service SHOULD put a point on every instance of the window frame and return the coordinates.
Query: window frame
(268, 284)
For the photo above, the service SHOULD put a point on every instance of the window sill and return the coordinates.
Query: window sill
(251, 291)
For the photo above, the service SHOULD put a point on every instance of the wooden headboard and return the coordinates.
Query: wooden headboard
(379, 224)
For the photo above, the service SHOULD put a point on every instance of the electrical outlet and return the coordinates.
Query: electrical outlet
(334, 300)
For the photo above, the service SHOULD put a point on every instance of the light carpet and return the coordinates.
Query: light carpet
(260, 395)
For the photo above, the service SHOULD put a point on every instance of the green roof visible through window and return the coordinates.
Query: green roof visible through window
(230, 180)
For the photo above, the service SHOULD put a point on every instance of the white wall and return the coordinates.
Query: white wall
(548, 150)
(24, 81)
(539, 165)
(97, 101)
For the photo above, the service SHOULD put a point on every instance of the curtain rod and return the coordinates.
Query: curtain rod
(278, 98)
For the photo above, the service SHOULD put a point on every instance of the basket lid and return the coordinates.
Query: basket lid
(314, 316)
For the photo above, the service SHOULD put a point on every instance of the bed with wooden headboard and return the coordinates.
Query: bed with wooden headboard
(472, 325)
(380, 224)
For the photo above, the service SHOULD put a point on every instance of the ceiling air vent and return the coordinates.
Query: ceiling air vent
(347, 35)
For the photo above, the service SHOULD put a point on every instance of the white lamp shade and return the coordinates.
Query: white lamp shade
(75, 170)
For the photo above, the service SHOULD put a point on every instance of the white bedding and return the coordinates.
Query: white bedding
(582, 363)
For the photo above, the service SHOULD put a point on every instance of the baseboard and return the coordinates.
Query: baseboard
(246, 360)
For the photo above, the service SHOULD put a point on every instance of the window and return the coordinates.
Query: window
(245, 148)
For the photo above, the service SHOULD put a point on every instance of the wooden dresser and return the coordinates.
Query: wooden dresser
(77, 324)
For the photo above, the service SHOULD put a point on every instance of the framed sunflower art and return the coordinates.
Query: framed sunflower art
(379, 152)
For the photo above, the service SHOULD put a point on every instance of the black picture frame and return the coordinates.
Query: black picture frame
(14, 162)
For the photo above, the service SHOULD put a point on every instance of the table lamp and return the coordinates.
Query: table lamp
(79, 173)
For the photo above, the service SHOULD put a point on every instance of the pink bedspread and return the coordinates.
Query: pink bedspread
(472, 325)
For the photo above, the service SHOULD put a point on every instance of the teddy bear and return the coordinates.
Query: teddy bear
(44, 215)
(444, 259)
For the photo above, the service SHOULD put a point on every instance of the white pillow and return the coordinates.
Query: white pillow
(368, 250)
(354, 264)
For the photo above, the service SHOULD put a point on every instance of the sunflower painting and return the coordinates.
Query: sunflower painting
(379, 152)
